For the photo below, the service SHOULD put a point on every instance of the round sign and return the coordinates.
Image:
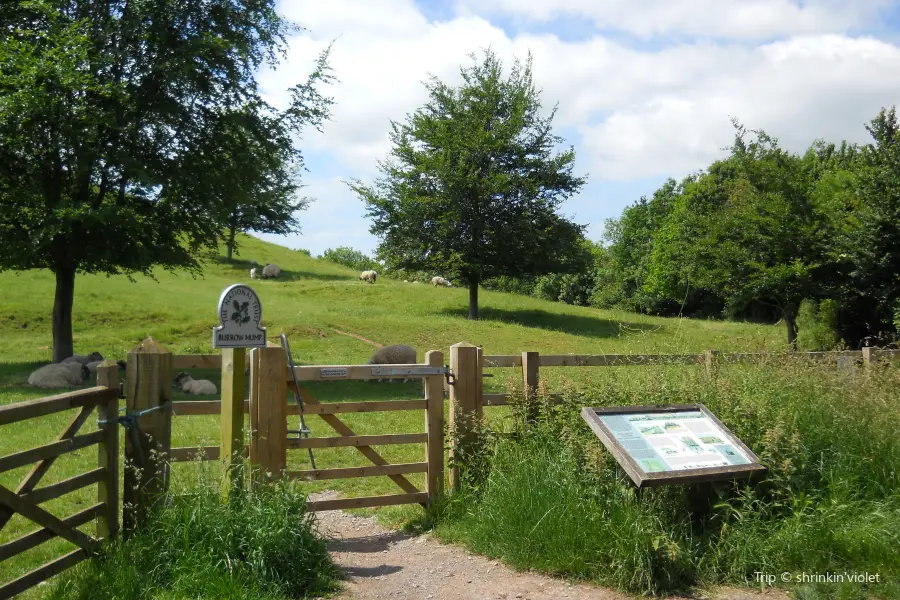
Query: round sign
(240, 316)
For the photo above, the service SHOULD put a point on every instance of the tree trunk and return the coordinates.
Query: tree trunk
(229, 248)
(473, 298)
(62, 313)
(790, 320)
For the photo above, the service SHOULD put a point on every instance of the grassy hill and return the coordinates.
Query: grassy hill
(319, 305)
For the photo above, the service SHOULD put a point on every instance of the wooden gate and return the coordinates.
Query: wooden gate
(270, 382)
(27, 497)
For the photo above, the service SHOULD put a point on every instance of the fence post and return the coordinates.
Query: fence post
(434, 426)
(148, 384)
(232, 419)
(108, 452)
(268, 413)
(531, 362)
(711, 359)
(870, 358)
(465, 400)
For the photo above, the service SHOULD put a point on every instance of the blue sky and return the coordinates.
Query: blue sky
(645, 90)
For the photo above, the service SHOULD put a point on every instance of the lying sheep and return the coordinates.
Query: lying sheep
(253, 273)
(198, 387)
(84, 359)
(271, 271)
(92, 366)
(58, 375)
(436, 281)
(369, 276)
(396, 354)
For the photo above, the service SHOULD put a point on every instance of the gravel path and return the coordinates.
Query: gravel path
(382, 564)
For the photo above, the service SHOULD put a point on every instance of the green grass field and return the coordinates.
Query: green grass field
(312, 302)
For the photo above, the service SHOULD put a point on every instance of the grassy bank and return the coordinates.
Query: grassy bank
(260, 545)
(551, 498)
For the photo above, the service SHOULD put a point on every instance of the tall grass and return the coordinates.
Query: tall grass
(259, 544)
(551, 498)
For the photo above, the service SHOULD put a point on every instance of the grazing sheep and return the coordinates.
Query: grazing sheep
(369, 276)
(84, 358)
(58, 375)
(253, 273)
(436, 281)
(397, 354)
(271, 271)
(198, 387)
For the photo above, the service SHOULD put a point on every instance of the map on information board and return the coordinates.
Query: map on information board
(671, 444)
(674, 441)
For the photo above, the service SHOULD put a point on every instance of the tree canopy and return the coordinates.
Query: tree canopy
(473, 183)
(115, 118)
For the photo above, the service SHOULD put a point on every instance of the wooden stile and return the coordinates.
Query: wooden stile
(108, 452)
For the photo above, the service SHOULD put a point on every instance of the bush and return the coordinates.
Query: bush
(817, 325)
(304, 251)
(511, 285)
(348, 257)
(553, 499)
(260, 544)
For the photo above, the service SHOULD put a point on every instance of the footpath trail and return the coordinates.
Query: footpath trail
(382, 564)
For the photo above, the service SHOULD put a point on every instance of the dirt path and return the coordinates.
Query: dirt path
(359, 337)
(390, 565)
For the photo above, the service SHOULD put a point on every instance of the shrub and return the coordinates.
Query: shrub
(260, 544)
(817, 325)
(348, 257)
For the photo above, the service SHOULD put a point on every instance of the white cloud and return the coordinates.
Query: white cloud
(640, 113)
(751, 19)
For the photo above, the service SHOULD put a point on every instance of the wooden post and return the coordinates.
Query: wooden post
(870, 358)
(465, 398)
(108, 452)
(268, 409)
(530, 364)
(434, 426)
(232, 418)
(711, 360)
(148, 384)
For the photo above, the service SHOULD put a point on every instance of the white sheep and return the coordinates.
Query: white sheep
(84, 359)
(198, 387)
(436, 281)
(58, 375)
(271, 271)
(369, 276)
(253, 273)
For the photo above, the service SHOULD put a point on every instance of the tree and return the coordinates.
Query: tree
(111, 114)
(473, 184)
(749, 230)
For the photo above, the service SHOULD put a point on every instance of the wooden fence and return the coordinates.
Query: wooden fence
(27, 497)
(148, 451)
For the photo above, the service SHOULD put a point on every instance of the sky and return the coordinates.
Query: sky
(645, 90)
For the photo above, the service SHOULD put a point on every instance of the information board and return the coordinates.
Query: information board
(658, 445)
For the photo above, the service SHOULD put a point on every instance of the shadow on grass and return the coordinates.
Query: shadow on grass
(563, 323)
(243, 267)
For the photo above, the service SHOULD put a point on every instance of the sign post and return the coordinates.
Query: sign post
(240, 316)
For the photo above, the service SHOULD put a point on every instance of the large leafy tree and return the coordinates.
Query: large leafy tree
(113, 120)
(473, 183)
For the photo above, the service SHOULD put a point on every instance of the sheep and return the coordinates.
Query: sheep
(58, 375)
(271, 271)
(396, 354)
(253, 273)
(436, 281)
(369, 276)
(84, 358)
(198, 387)
(92, 366)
